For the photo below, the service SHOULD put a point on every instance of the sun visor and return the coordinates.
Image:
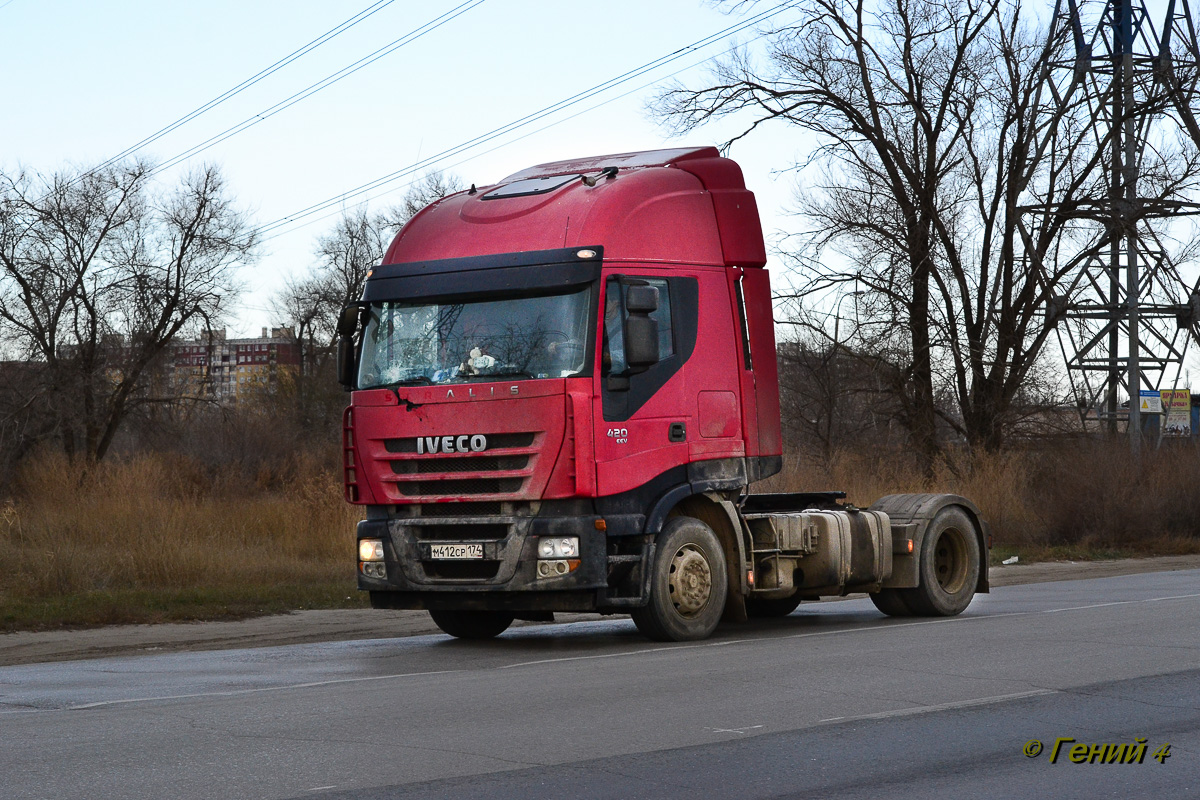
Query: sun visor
(531, 272)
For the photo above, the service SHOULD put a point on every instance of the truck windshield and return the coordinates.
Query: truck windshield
(420, 343)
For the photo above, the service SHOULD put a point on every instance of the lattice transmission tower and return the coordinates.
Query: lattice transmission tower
(1124, 314)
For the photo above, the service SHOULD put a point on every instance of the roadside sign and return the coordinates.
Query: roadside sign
(1151, 401)
(1178, 404)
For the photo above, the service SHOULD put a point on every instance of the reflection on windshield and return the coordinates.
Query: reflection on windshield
(433, 343)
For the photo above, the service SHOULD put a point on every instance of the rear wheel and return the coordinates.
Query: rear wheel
(472, 624)
(891, 602)
(771, 607)
(687, 591)
(948, 568)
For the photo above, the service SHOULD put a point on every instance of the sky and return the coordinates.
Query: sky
(86, 80)
(92, 79)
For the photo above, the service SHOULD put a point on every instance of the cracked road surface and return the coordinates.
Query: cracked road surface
(833, 701)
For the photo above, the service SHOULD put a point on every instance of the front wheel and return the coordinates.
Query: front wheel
(687, 591)
(948, 569)
(472, 624)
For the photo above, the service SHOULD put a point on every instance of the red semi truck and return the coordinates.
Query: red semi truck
(563, 386)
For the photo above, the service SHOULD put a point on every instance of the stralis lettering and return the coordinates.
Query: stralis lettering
(451, 444)
(512, 390)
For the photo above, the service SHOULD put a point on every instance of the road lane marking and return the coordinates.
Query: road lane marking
(1121, 603)
(868, 629)
(742, 731)
(888, 626)
(1171, 597)
(981, 701)
(668, 648)
(235, 692)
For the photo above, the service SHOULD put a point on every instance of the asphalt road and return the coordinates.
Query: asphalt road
(834, 701)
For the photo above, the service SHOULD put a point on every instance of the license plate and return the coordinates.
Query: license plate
(455, 551)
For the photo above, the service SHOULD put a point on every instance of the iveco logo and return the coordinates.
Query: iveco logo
(451, 444)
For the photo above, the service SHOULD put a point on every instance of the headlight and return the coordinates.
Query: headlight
(370, 550)
(558, 547)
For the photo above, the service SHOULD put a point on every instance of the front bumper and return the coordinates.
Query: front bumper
(505, 578)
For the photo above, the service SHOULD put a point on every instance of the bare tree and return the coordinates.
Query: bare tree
(99, 271)
(936, 132)
(311, 304)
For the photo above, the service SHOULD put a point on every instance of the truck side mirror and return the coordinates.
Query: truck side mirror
(348, 322)
(346, 363)
(641, 330)
(641, 299)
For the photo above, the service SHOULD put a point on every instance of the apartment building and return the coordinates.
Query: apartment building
(231, 369)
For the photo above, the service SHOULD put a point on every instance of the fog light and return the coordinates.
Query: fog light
(553, 568)
(370, 550)
(558, 547)
(374, 569)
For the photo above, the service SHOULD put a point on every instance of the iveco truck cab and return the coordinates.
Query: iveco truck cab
(563, 386)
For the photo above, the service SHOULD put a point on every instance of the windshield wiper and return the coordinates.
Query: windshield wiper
(420, 380)
(512, 373)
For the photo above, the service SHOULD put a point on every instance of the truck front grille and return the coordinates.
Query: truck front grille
(502, 469)
(435, 488)
(460, 533)
(461, 570)
(465, 464)
(496, 441)
(471, 508)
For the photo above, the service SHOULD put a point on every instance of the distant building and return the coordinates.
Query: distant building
(231, 369)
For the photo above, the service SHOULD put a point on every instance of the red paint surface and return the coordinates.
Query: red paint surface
(682, 212)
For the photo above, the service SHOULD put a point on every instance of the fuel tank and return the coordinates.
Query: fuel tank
(821, 552)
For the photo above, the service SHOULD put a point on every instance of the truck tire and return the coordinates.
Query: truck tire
(948, 569)
(771, 607)
(688, 588)
(472, 624)
(891, 602)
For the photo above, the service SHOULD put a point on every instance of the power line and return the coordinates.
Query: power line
(316, 208)
(324, 83)
(284, 232)
(246, 84)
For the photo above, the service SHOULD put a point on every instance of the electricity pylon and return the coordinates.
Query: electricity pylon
(1124, 314)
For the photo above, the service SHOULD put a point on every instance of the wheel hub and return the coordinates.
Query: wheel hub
(950, 560)
(690, 581)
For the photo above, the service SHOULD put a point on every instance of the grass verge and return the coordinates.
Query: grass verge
(146, 606)
(159, 538)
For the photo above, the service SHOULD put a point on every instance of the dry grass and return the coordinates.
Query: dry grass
(1082, 500)
(159, 537)
(162, 537)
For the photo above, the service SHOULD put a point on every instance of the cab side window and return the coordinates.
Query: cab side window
(624, 391)
(614, 324)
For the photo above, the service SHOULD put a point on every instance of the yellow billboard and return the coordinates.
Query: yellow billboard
(1177, 406)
